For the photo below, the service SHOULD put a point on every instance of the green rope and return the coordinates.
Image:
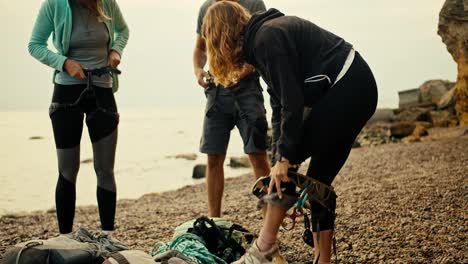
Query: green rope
(189, 245)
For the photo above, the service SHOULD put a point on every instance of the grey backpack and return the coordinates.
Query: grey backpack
(58, 250)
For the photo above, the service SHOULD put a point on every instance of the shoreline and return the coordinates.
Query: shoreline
(398, 203)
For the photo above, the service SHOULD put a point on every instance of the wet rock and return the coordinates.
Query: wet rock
(433, 90)
(453, 29)
(402, 129)
(239, 162)
(199, 171)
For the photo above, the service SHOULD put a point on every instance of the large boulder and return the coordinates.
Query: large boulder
(443, 118)
(413, 114)
(433, 90)
(402, 129)
(447, 100)
(453, 28)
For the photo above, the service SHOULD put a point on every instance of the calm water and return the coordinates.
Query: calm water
(146, 137)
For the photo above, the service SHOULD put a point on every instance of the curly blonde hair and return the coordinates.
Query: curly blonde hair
(223, 29)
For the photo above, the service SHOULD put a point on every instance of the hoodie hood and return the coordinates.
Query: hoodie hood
(252, 27)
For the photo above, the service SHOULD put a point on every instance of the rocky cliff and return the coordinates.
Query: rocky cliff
(453, 28)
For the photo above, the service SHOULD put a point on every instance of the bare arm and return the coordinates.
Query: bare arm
(199, 61)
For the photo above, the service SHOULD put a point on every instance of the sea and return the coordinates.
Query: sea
(148, 140)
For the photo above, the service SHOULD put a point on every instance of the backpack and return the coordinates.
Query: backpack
(140, 257)
(58, 250)
(223, 239)
(83, 248)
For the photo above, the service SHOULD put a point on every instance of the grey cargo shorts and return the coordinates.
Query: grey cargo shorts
(241, 105)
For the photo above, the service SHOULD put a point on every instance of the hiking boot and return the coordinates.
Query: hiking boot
(110, 244)
(255, 256)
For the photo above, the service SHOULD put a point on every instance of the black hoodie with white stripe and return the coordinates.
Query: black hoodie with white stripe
(287, 51)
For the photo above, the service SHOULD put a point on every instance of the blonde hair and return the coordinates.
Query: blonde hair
(100, 11)
(223, 28)
(96, 7)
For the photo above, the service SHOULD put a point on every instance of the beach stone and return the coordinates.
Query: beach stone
(402, 129)
(453, 29)
(433, 90)
(190, 156)
(199, 171)
(239, 162)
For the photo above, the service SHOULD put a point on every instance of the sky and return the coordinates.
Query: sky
(398, 39)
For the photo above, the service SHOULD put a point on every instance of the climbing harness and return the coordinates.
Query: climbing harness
(89, 90)
(311, 190)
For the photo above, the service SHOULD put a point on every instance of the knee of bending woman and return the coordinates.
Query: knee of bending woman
(325, 221)
(106, 179)
(322, 218)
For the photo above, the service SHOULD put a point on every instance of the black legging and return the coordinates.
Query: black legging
(67, 122)
(332, 126)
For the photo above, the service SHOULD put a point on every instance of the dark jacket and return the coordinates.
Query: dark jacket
(286, 50)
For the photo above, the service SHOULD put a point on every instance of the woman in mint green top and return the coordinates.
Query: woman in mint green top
(87, 34)
(55, 17)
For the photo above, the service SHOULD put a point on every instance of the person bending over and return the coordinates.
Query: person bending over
(304, 66)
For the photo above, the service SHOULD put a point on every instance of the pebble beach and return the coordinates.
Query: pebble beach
(398, 203)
